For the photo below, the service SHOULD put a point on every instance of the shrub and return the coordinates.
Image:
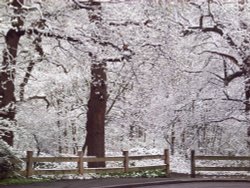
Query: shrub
(9, 163)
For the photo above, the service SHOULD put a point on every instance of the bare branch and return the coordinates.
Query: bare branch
(233, 59)
(126, 23)
(26, 79)
(226, 119)
(40, 97)
(230, 99)
(121, 91)
(61, 66)
(52, 35)
(233, 76)
(218, 76)
(30, 67)
(214, 29)
(83, 5)
(192, 72)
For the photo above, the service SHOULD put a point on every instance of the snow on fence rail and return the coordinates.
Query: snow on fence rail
(80, 159)
(195, 158)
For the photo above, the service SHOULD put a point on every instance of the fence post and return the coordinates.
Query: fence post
(29, 164)
(167, 161)
(80, 163)
(192, 163)
(126, 161)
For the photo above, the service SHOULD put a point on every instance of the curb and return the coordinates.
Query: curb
(130, 185)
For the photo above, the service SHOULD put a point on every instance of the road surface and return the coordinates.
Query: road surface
(134, 183)
(204, 185)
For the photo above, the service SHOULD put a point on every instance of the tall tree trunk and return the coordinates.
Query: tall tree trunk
(247, 84)
(247, 93)
(95, 139)
(96, 113)
(7, 74)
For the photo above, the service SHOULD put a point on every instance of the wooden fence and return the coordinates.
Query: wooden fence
(80, 160)
(195, 168)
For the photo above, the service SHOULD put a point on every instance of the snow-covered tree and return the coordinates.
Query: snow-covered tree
(135, 73)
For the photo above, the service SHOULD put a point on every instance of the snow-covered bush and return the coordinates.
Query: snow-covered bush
(8, 167)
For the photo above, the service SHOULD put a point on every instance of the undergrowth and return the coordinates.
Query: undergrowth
(145, 174)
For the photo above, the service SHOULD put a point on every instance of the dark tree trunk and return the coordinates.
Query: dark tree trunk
(247, 93)
(247, 84)
(95, 139)
(7, 75)
(96, 114)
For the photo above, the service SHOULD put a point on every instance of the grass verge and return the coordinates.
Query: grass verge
(21, 181)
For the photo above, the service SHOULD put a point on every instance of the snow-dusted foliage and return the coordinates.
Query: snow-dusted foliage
(7, 167)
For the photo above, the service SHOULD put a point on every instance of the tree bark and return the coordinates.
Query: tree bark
(95, 126)
(96, 113)
(247, 84)
(247, 93)
(7, 74)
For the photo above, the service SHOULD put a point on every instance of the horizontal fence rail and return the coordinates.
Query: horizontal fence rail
(80, 160)
(195, 168)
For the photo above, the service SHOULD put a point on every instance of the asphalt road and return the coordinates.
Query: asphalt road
(91, 183)
(134, 183)
(204, 185)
